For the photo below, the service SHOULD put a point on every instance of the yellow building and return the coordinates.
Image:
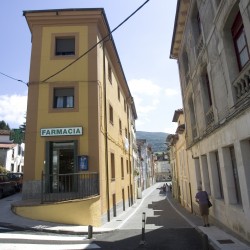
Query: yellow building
(80, 121)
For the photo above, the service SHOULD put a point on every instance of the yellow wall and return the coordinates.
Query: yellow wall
(79, 74)
(78, 212)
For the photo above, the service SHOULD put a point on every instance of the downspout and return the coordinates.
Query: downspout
(129, 154)
(106, 133)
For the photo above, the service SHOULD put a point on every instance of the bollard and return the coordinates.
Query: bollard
(143, 229)
(90, 232)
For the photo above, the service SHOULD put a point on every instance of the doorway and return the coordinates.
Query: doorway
(62, 166)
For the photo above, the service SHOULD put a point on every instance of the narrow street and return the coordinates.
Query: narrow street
(165, 228)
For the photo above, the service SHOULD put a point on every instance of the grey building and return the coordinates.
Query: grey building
(211, 41)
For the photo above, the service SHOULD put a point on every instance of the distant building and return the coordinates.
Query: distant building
(162, 167)
(146, 172)
(11, 154)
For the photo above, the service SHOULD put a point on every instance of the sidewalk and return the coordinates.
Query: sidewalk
(217, 237)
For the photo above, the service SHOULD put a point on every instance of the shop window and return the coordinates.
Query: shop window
(64, 98)
(240, 42)
(64, 46)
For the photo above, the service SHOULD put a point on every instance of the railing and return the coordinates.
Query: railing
(210, 116)
(61, 187)
(199, 45)
(242, 83)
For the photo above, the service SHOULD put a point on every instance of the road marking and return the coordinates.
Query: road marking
(153, 189)
(40, 237)
(9, 246)
(5, 228)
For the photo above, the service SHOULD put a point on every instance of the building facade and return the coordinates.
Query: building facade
(211, 42)
(80, 126)
(11, 154)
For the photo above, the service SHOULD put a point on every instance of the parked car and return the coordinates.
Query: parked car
(18, 178)
(7, 186)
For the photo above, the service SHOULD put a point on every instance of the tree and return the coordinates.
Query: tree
(4, 125)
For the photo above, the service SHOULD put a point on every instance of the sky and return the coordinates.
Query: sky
(143, 44)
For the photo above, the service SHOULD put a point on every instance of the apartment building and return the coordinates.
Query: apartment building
(211, 41)
(80, 128)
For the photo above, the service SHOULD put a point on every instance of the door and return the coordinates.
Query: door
(62, 166)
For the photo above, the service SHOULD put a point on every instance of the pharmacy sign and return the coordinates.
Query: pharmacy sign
(61, 131)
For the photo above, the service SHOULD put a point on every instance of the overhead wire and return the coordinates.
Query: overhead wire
(85, 53)
(14, 78)
(104, 38)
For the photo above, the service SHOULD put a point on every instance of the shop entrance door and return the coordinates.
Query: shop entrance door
(62, 167)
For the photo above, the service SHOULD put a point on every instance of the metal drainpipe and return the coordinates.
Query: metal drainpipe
(129, 154)
(106, 133)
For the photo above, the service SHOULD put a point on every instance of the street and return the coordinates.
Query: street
(165, 228)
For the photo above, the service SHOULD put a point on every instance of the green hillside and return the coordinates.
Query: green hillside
(155, 139)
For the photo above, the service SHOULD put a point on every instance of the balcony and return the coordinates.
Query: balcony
(210, 116)
(199, 45)
(62, 187)
(242, 83)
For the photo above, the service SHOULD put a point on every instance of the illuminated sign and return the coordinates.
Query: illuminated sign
(61, 131)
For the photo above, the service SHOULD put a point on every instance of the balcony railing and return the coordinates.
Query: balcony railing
(199, 45)
(210, 116)
(242, 83)
(61, 187)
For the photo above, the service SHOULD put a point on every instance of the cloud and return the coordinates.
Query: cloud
(144, 87)
(171, 92)
(146, 95)
(171, 129)
(13, 109)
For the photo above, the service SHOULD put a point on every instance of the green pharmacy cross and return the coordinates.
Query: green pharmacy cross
(17, 135)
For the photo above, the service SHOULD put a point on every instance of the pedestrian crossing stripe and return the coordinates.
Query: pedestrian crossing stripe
(8, 246)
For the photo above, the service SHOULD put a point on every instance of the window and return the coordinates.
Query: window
(63, 98)
(119, 93)
(64, 46)
(192, 118)
(207, 99)
(120, 126)
(235, 176)
(207, 90)
(122, 168)
(112, 159)
(111, 119)
(125, 106)
(126, 133)
(109, 73)
(219, 175)
(185, 67)
(240, 43)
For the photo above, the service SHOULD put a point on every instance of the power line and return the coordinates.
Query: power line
(15, 79)
(96, 43)
(58, 72)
